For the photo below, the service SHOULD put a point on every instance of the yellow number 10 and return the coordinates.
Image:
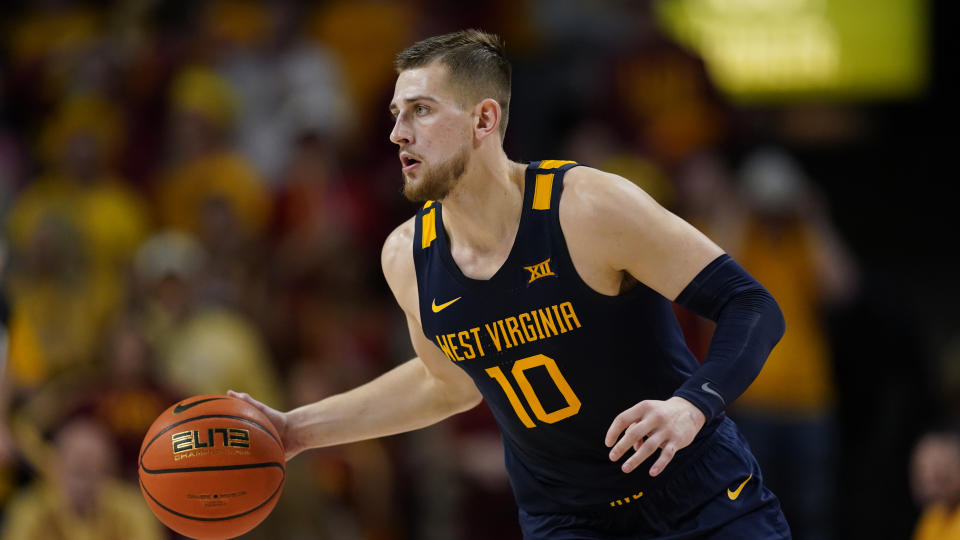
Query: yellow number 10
(573, 402)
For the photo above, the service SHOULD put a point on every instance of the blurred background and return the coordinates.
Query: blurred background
(194, 196)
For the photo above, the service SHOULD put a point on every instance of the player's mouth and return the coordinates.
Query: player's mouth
(409, 162)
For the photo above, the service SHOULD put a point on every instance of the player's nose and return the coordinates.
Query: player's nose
(400, 134)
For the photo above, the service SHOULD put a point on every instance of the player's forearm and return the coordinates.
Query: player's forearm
(749, 324)
(405, 398)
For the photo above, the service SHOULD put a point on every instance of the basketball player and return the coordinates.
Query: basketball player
(545, 289)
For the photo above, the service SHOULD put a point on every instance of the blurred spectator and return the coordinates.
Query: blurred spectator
(778, 229)
(315, 207)
(125, 396)
(935, 479)
(78, 496)
(44, 44)
(202, 347)
(4, 312)
(72, 233)
(79, 145)
(285, 84)
(203, 168)
(12, 159)
(481, 478)
(345, 27)
(212, 192)
(660, 94)
(120, 393)
(323, 246)
(342, 492)
(7, 450)
(596, 144)
(707, 197)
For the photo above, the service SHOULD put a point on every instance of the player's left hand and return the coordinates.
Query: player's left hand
(668, 425)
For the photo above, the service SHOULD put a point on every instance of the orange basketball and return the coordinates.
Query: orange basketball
(212, 467)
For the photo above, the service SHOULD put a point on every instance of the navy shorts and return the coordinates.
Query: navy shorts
(720, 496)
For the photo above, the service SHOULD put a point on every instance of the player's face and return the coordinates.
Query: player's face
(433, 133)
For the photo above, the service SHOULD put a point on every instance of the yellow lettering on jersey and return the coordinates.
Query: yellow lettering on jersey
(509, 332)
(494, 335)
(569, 314)
(476, 339)
(539, 270)
(513, 327)
(497, 374)
(503, 332)
(563, 329)
(536, 321)
(444, 346)
(428, 229)
(453, 348)
(573, 402)
(541, 191)
(468, 349)
(528, 329)
(549, 327)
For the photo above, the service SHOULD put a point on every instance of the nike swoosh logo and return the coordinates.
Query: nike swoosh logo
(706, 388)
(184, 406)
(441, 307)
(734, 494)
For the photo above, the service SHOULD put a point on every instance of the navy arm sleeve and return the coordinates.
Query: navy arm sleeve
(749, 324)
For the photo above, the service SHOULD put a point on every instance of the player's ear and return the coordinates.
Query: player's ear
(487, 117)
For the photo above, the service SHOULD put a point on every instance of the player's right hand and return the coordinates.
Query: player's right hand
(279, 420)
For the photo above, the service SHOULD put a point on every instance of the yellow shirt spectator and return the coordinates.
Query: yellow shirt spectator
(39, 514)
(220, 175)
(797, 376)
(938, 523)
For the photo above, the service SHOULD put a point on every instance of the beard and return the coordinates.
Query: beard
(439, 180)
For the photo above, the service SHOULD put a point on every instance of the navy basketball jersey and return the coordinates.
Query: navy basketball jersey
(555, 360)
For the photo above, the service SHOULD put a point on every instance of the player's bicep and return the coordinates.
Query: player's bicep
(670, 252)
(454, 382)
(629, 231)
(440, 375)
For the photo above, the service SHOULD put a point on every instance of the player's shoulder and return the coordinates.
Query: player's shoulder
(589, 183)
(397, 253)
(592, 197)
(396, 257)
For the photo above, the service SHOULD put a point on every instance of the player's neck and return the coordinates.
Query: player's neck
(482, 213)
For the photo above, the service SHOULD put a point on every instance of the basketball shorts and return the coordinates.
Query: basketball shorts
(718, 496)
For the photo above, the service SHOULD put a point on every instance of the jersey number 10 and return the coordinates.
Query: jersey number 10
(573, 402)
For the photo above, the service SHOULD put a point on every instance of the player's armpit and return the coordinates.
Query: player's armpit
(454, 389)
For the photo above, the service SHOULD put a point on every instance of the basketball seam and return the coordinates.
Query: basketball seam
(224, 518)
(214, 468)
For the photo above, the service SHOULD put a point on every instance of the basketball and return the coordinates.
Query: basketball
(212, 467)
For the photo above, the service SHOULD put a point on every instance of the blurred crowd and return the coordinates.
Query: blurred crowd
(194, 195)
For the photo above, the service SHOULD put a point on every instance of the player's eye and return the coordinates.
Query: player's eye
(421, 110)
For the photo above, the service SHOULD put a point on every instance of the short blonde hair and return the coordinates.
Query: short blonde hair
(475, 62)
